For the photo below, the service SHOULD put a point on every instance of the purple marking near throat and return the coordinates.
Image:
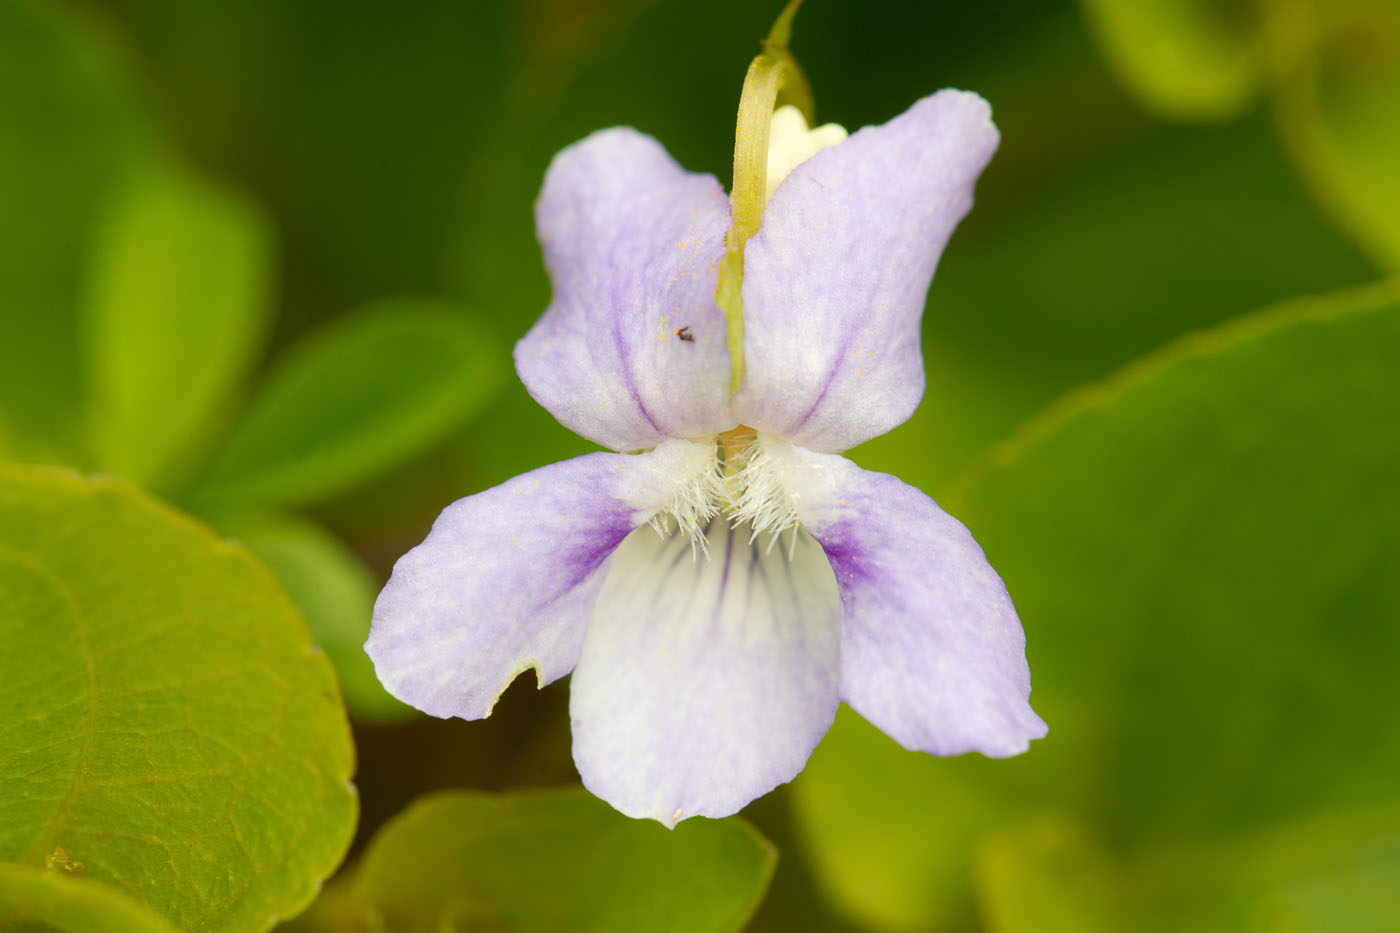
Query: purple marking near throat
(591, 553)
(845, 555)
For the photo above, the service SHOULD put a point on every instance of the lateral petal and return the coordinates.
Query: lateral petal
(506, 579)
(705, 682)
(631, 349)
(932, 651)
(835, 280)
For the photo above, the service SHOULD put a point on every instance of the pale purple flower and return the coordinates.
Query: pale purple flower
(716, 596)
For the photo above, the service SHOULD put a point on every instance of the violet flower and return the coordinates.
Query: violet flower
(716, 596)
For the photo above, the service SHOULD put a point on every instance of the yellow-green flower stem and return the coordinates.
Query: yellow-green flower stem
(773, 72)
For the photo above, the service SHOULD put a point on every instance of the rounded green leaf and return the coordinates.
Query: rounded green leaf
(558, 860)
(370, 390)
(1339, 111)
(335, 592)
(1184, 59)
(43, 900)
(1202, 551)
(164, 718)
(175, 315)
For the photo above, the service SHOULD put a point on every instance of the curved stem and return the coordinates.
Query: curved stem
(773, 71)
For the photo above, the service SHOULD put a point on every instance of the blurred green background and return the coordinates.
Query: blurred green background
(267, 259)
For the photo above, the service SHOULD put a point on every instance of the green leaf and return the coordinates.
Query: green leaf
(165, 718)
(1339, 111)
(890, 833)
(1202, 551)
(558, 860)
(1338, 872)
(175, 315)
(47, 902)
(363, 206)
(369, 391)
(1050, 876)
(70, 135)
(335, 592)
(1184, 59)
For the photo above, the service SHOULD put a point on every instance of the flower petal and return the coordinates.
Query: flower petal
(835, 281)
(632, 348)
(506, 579)
(705, 682)
(931, 649)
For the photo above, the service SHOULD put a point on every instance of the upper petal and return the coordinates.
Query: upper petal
(506, 579)
(632, 349)
(931, 649)
(705, 681)
(835, 280)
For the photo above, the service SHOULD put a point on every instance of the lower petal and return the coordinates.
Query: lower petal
(932, 651)
(705, 681)
(506, 579)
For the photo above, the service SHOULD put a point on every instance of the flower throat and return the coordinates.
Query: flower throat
(740, 486)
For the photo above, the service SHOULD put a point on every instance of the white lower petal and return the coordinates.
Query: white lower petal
(705, 682)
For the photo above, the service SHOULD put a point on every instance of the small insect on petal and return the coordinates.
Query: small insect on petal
(685, 334)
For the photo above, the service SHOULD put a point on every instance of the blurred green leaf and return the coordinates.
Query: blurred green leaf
(165, 719)
(1340, 113)
(1202, 552)
(70, 134)
(353, 122)
(1209, 541)
(176, 314)
(1184, 59)
(1339, 872)
(365, 393)
(335, 592)
(889, 833)
(1049, 877)
(34, 899)
(336, 909)
(558, 860)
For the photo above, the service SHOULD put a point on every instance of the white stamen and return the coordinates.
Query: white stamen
(761, 502)
(790, 143)
(697, 501)
(748, 491)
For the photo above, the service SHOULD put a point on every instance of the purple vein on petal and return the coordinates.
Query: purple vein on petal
(629, 378)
